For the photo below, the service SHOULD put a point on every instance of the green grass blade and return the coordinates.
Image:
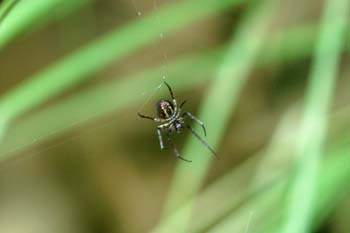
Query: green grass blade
(319, 94)
(219, 198)
(5, 8)
(111, 47)
(334, 176)
(233, 72)
(332, 185)
(106, 98)
(285, 46)
(257, 186)
(24, 14)
(261, 175)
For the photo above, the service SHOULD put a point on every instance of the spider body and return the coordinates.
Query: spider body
(170, 115)
(173, 120)
(165, 109)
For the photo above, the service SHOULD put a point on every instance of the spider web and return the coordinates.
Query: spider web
(152, 93)
(149, 96)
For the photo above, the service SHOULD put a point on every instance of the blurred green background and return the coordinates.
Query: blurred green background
(270, 79)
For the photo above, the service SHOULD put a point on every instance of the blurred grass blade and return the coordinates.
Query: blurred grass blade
(333, 178)
(242, 181)
(216, 110)
(318, 98)
(269, 169)
(106, 98)
(111, 47)
(255, 189)
(5, 8)
(99, 100)
(332, 187)
(24, 14)
(268, 213)
(255, 210)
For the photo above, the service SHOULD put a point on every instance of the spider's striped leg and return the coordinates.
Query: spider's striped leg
(202, 141)
(182, 104)
(148, 117)
(179, 156)
(160, 138)
(177, 153)
(171, 93)
(196, 120)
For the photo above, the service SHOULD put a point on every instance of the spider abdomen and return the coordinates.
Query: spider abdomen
(165, 109)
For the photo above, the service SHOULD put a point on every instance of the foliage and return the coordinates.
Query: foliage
(282, 200)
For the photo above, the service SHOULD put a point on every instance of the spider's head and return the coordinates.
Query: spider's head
(165, 109)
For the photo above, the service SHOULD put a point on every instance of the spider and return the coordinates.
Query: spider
(172, 120)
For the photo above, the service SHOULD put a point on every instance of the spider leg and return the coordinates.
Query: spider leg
(179, 156)
(148, 117)
(171, 93)
(196, 120)
(177, 153)
(202, 141)
(182, 104)
(160, 138)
